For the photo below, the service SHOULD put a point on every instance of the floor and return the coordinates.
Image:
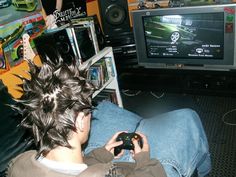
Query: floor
(218, 116)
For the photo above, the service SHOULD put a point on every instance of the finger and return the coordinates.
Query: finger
(144, 138)
(132, 152)
(119, 155)
(137, 148)
(113, 138)
(144, 141)
(112, 145)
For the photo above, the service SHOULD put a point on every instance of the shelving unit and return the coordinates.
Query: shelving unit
(112, 82)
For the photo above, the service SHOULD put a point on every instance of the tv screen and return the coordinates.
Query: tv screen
(197, 36)
(184, 36)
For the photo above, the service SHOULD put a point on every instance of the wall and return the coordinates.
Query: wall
(92, 8)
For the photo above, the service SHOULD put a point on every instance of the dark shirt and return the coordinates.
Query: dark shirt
(49, 6)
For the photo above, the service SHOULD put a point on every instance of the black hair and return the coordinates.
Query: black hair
(51, 101)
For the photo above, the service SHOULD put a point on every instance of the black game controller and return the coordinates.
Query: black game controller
(127, 142)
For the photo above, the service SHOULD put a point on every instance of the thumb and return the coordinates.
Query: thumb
(137, 148)
(112, 145)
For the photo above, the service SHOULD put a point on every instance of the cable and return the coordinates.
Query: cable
(157, 96)
(223, 118)
(131, 94)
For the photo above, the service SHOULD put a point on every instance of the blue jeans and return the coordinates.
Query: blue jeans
(177, 138)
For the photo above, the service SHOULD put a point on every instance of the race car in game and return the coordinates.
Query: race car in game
(168, 31)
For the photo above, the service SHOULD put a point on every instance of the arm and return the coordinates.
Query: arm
(99, 155)
(104, 154)
(146, 167)
(59, 4)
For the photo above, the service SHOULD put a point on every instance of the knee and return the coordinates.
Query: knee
(187, 117)
(187, 113)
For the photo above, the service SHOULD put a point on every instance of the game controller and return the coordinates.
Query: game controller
(127, 142)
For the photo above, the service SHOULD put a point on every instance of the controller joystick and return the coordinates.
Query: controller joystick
(127, 142)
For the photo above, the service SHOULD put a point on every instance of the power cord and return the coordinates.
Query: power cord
(157, 96)
(224, 117)
(131, 93)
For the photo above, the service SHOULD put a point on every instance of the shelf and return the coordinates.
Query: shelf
(112, 82)
(107, 51)
(103, 87)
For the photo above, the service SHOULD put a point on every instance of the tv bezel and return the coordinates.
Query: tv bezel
(229, 58)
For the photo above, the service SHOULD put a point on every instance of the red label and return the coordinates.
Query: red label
(229, 10)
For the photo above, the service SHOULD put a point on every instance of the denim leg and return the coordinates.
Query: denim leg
(177, 138)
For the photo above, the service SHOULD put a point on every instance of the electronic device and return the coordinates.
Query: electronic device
(124, 50)
(75, 42)
(197, 37)
(84, 37)
(127, 141)
(54, 44)
(99, 32)
(115, 19)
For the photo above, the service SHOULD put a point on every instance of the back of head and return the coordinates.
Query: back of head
(51, 101)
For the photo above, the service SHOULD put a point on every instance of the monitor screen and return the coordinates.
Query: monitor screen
(190, 36)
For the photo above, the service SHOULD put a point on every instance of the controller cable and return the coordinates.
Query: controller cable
(137, 125)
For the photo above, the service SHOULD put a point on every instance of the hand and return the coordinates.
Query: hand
(137, 148)
(112, 143)
(51, 22)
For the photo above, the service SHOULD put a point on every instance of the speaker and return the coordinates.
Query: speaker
(99, 33)
(115, 17)
(55, 45)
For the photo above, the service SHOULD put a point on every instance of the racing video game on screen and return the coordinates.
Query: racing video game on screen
(185, 36)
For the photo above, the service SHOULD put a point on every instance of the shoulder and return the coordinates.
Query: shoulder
(23, 156)
(20, 162)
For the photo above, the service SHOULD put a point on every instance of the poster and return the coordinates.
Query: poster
(16, 18)
(11, 10)
(11, 41)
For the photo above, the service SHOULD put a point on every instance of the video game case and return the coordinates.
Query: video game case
(101, 72)
(94, 76)
(104, 69)
(110, 67)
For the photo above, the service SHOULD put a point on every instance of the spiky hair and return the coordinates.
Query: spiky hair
(51, 101)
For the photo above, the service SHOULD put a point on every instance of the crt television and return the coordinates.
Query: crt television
(197, 37)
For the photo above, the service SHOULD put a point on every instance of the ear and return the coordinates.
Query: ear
(80, 122)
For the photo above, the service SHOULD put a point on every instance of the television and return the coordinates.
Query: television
(195, 37)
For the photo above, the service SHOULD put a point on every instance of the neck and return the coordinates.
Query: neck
(64, 154)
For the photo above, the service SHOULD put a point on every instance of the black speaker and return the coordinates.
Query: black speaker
(55, 45)
(99, 33)
(114, 17)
